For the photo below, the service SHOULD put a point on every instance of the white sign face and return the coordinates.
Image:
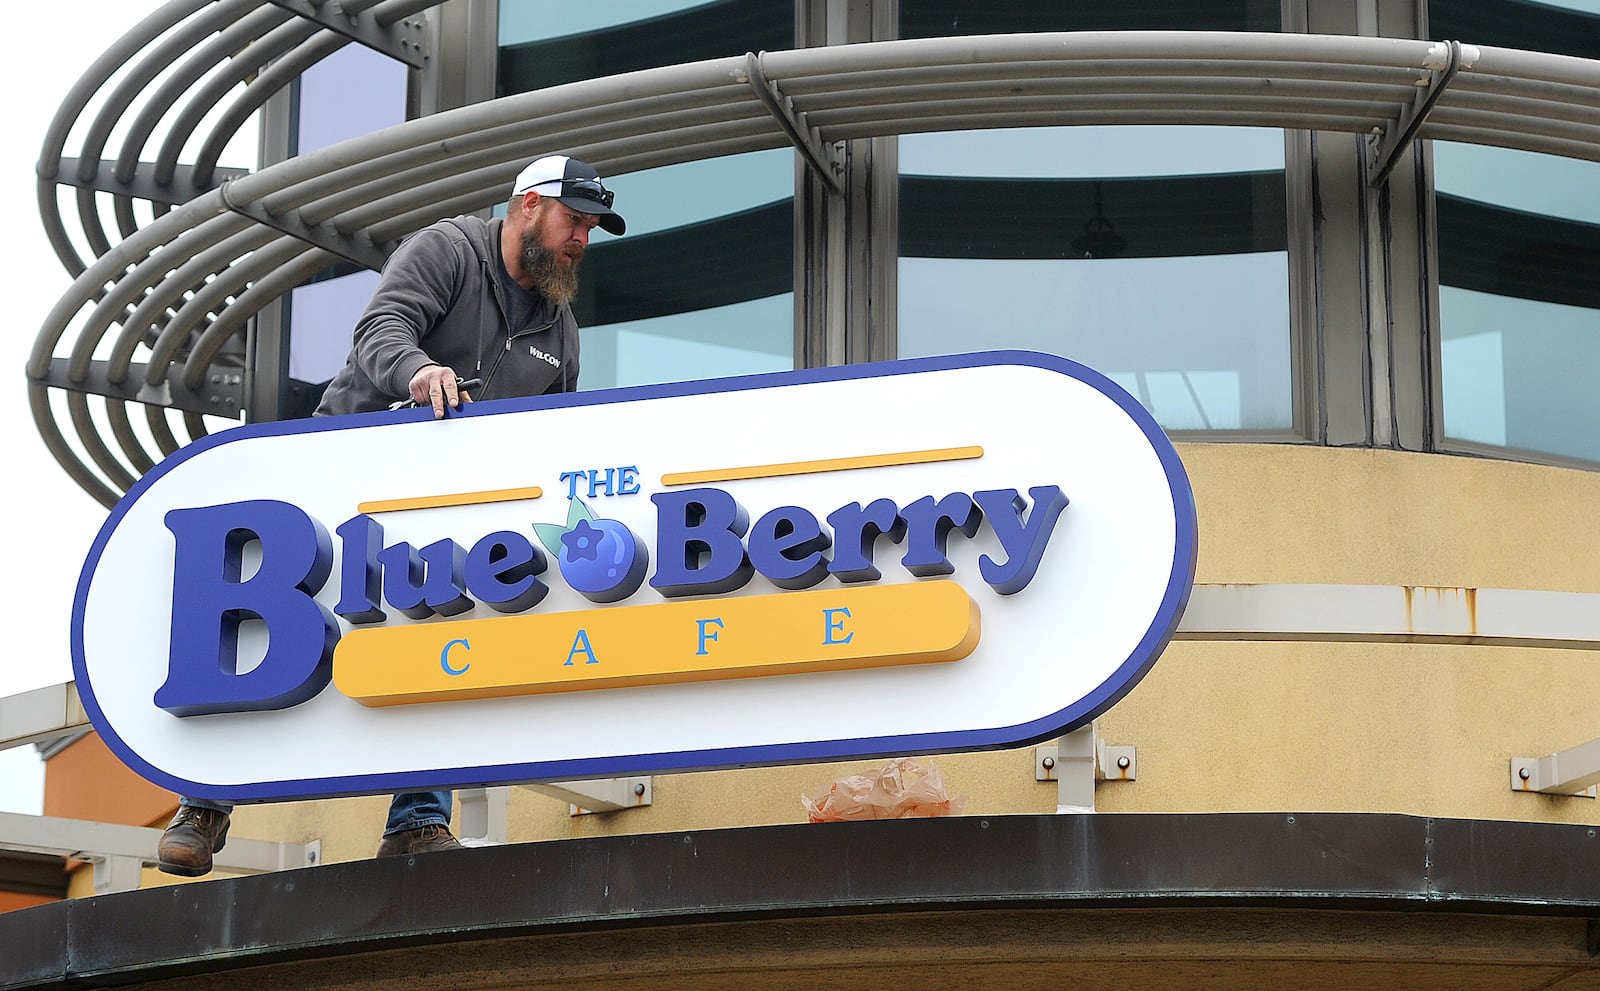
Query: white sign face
(920, 556)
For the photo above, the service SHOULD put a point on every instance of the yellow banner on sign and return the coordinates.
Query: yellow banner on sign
(704, 640)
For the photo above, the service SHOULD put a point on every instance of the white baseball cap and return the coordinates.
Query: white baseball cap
(576, 184)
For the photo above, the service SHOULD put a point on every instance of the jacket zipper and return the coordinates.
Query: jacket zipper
(500, 302)
(483, 390)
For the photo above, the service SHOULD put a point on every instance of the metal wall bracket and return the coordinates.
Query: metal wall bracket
(1077, 762)
(821, 157)
(359, 250)
(1574, 772)
(406, 40)
(1441, 64)
(482, 818)
(598, 794)
(1112, 763)
(143, 185)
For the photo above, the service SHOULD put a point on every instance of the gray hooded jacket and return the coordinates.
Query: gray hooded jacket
(440, 301)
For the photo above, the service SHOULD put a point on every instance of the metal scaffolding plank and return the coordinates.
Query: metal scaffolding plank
(119, 852)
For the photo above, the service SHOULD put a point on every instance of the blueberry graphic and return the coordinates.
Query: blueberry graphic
(601, 559)
(582, 542)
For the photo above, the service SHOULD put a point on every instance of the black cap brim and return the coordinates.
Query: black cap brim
(610, 221)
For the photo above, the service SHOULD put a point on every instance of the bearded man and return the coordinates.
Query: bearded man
(486, 299)
(490, 300)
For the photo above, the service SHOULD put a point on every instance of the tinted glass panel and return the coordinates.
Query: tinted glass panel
(1564, 27)
(702, 284)
(352, 92)
(1154, 255)
(1519, 249)
(943, 18)
(543, 44)
(1519, 299)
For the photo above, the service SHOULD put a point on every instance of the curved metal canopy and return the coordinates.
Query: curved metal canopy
(149, 318)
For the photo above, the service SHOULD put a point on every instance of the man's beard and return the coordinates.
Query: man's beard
(554, 275)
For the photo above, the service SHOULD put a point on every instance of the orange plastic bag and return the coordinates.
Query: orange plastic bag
(902, 789)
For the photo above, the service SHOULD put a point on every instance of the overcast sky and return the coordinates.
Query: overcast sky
(52, 521)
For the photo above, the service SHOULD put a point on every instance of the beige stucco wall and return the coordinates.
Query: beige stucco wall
(1274, 513)
(1422, 729)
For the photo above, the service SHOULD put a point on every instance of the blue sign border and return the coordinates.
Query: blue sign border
(1080, 713)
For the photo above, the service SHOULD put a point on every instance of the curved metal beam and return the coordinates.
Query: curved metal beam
(180, 286)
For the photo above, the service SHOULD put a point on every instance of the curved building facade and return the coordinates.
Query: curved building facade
(1344, 251)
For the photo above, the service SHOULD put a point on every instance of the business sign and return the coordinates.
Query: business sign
(919, 556)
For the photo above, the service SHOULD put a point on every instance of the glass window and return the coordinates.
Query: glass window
(1562, 27)
(1519, 299)
(1156, 255)
(545, 44)
(944, 18)
(702, 285)
(352, 92)
(1519, 249)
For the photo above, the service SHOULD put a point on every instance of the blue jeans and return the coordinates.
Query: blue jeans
(408, 810)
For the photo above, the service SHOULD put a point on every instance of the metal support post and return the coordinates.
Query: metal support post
(482, 819)
(1075, 770)
(1080, 760)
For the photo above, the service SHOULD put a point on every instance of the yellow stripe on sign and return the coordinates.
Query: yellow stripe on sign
(814, 467)
(659, 644)
(449, 499)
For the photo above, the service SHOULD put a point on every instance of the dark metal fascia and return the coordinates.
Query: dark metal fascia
(1552, 867)
(405, 40)
(1299, 861)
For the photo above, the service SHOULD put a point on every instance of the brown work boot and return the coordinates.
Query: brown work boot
(190, 840)
(423, 839)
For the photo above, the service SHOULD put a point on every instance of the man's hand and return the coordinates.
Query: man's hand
(435, 385)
